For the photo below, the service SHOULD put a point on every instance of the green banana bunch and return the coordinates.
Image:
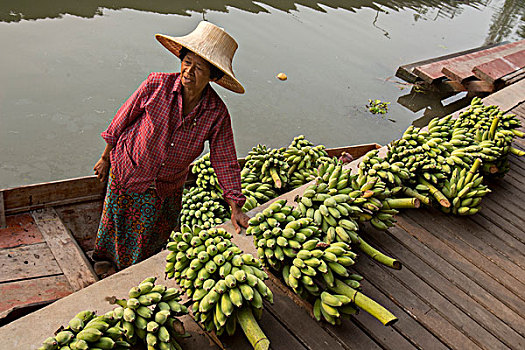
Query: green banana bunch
(222, 282)
(303, 157)
(269, 165)
(393, 174)
(88, 331)
(464, 190)
(252, 187)
(206, 177)
(250, 203)
(203, 208)
(290, 244)
(338, 200)
(150, 314)
(489, 123)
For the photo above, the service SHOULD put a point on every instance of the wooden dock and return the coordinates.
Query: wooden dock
(462, 285)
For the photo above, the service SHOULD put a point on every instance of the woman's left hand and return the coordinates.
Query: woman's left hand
(239, 218)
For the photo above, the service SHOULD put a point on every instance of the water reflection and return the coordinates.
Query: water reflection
(504, 20)
(17, 10)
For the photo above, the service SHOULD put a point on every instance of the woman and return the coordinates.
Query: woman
(155, 136)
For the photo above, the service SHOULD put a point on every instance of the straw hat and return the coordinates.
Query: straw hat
(211, 43)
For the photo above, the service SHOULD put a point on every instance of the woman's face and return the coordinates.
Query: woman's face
(195, 72)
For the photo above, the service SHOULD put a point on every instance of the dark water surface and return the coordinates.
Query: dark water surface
(66, 67)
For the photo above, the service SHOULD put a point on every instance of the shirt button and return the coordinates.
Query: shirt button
(172, 145)
(162, 164)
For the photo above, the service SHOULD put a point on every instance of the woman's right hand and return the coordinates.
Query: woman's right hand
(102, 169)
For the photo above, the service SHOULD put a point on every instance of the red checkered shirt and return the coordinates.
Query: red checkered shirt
(154, 144)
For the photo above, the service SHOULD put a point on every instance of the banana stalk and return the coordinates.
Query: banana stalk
(252, 330)
(413, 193)
(362, 301)
(440, 197)
(378, 256)
(403, 203)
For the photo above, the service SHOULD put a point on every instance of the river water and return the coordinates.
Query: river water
(66, 67)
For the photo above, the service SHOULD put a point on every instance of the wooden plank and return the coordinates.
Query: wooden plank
(443, 229)
(417, 305)
(462, 70)
(29, 261)
(36, 290)
(433, 71)
(498, 68)
(507, 98)
(68, 254)
(82, 220)
(406, 72)
(478, 86)
(487, 221)
(500, 216)
(36, 196)
(435, 274)
(493, 239)
(3, 222)
(481, 278)
(20, 230)
(510, 79)
(280, 338)
(297, 319)
(457, 278)
(352, 336)
(386, 337)
(408, 326)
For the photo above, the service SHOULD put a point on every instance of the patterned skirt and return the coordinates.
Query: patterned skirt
(134, 226)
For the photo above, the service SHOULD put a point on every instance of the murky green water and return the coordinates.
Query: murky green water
(66, 67)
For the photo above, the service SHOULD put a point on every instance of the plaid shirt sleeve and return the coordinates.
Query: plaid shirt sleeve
(127, 114)
(224, 160)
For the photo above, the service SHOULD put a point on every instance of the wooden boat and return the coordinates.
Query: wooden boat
(45, 230)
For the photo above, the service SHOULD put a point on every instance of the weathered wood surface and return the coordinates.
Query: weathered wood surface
(500, 67)
(35, 260)
(31, 197)
(32, 291)
(406, 72)
(82, 219)
(461, 70)
(433, 71)
(66, 251)
(20, 230)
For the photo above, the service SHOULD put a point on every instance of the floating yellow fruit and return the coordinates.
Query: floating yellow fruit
(282, 76)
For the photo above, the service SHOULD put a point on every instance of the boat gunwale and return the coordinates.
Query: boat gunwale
(87, 188)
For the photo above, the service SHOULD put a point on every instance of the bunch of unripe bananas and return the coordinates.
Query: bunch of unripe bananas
(291, 245)
(88, 331)
(150, 314)
(464, 190)
(303, 158)
(252, 187)
(268, 164)
(225, 285)
(203, 207)
(206, 177)
(433, 159)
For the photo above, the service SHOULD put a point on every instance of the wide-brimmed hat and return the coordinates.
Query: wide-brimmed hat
(211, 43)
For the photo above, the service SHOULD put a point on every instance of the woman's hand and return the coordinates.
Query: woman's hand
(239, 218)
(102, 169)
